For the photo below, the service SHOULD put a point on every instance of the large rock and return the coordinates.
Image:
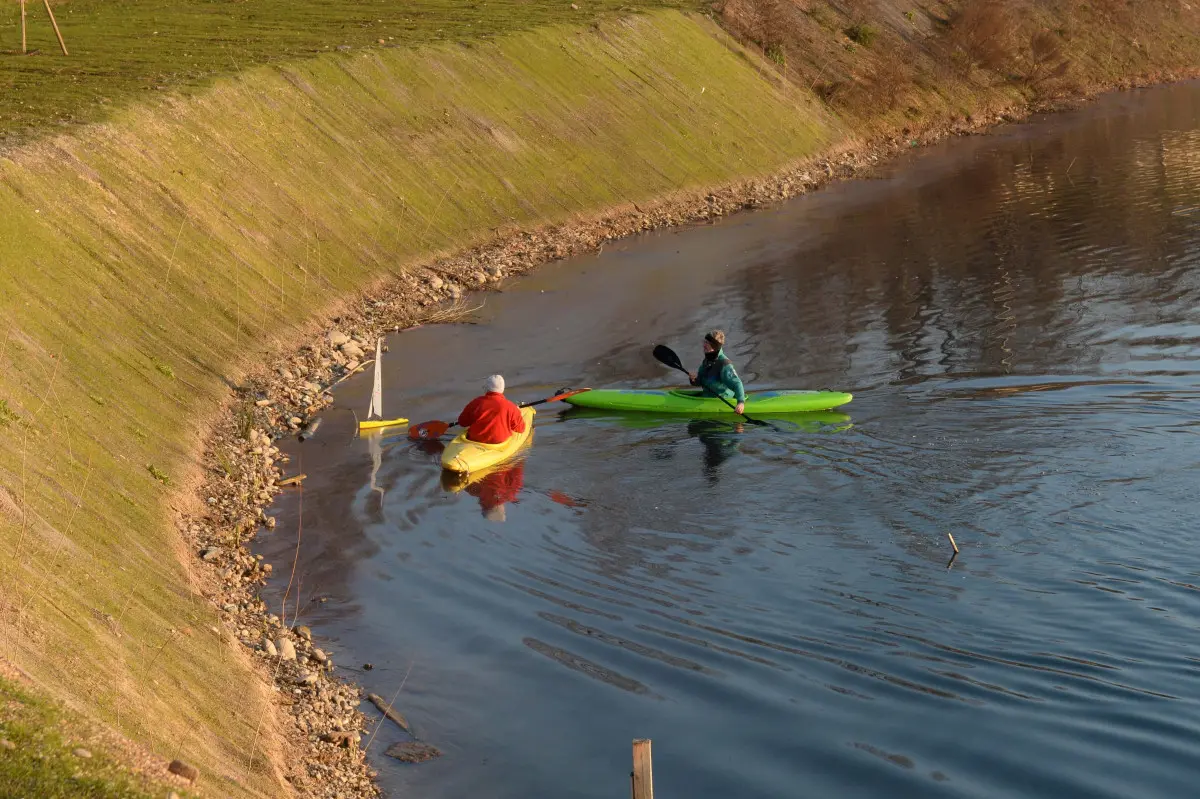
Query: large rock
(189, 773)
(304, 633)
(413, 752)
(337, 338)
(352, 350)
(269, 647)
(343, 739)
(287, 650)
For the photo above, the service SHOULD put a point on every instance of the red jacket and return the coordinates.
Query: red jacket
(491, 419)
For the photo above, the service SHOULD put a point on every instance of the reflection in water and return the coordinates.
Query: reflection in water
(1016, 315)
(720, 440)
(494, 488)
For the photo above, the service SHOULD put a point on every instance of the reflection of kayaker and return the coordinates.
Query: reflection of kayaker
(492, 418)
(716, 374)
(494, 487)
(720, 440)
(497, 489)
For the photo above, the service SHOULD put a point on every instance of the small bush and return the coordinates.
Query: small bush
(245, 421)
(165, 369)
(775, 53)
(158, 474)
(7, 414)
(980, 36)
(830, 92)
(1045, 58)
(862, 33)
(768, 22)
(888, 82)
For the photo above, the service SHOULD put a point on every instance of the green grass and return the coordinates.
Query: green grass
(202, 229)
(129, 50)
(43, 763)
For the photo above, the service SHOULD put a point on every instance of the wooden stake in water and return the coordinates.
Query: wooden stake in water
(951, 537)
(57, 32)
(643, 771)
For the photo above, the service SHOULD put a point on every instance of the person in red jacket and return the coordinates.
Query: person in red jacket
(492, 418)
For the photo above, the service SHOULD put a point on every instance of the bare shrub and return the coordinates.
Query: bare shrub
(889, 80)
(768, 24)
(980, 36)
(1045, 59)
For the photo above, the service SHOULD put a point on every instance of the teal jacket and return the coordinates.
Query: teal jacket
(718, 378)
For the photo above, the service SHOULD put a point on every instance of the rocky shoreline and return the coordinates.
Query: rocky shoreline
(244, 468)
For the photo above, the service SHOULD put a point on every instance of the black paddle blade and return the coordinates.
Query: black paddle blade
(666, 356)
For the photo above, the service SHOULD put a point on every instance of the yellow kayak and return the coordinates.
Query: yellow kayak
(466, 457)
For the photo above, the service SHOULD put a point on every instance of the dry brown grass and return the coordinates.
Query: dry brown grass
(870, 59)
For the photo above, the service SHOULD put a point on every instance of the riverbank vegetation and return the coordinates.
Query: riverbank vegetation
(248, 167)
(891, 64)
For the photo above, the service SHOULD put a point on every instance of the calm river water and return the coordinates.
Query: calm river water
(1017, 317)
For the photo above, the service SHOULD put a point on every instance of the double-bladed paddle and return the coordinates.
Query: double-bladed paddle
(667, 357)
(435, 429)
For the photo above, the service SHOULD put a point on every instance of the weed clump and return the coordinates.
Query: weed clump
(7, 414)
(862, 33)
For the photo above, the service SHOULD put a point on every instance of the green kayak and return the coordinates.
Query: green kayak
(683, 400)
(810, 422)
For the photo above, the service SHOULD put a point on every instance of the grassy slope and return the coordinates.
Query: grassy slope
(147, 260)
(128, 50)
(44, 763)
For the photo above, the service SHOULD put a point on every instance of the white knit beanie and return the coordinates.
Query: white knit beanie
(495, 383)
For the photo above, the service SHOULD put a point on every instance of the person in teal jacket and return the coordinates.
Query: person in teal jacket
(716, 374)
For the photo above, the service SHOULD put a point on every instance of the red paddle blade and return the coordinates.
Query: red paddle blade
(427, 430)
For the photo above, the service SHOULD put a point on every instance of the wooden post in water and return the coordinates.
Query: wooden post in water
(643, 772)
(57, 32)
(24, 47)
